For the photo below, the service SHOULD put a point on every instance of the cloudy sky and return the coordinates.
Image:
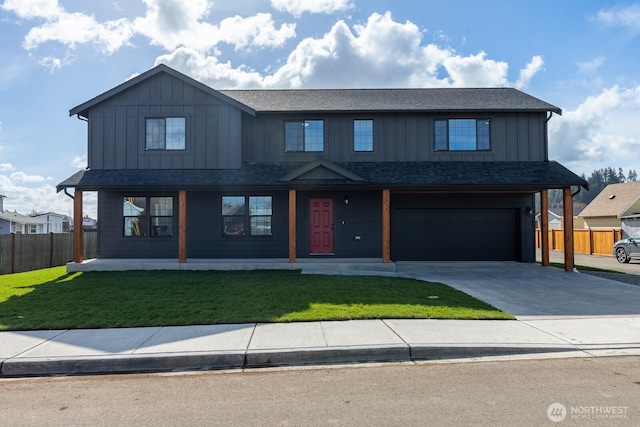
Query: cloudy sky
(582, 56)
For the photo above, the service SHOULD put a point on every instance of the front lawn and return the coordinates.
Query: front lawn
(53, 299)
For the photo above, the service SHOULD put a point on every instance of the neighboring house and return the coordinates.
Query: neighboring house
(88, 224)
(12, 222)
(399, 174)
(555, 219)
(53, 221)
(616, 207)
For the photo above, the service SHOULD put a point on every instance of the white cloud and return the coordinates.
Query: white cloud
(6, 167)
(476, 71)
(380, 53)
(589, 67)
(602, 131)
(23, 177)
(167, 23)
(79, 162)
(67, 28)
(258, 30)
(527, 73)
(70, 29)
(207, 69)
(176, 23)
(298, 7)
(53, 63)
(29, 9)
(173, 23)
(24, 197)
(621, 16)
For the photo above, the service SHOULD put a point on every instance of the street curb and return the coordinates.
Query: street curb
(131, 363)
(327, 355)
(432, 352)
(168, 362)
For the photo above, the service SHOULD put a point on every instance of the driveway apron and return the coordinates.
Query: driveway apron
(530, 290)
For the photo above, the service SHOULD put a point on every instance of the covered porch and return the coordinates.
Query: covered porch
(382, 181)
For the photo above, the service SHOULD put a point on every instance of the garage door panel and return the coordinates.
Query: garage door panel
(455, 234)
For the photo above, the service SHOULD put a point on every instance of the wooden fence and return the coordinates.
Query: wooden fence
(26, 252)
(591, 242)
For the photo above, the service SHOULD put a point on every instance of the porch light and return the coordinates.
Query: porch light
(346, 200)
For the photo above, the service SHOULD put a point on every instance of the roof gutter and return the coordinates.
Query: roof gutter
(546, 135)
(577, 191)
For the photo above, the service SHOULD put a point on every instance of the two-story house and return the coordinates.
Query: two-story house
(186, 171)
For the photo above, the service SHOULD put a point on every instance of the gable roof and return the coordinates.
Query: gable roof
(372, 100)
(348, 100)
(322, 169)
(614, 200)
(82, 109)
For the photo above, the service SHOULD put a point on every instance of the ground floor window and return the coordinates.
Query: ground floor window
(246, 216)
(147, 216)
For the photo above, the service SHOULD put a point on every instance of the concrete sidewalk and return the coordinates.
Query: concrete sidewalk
(560, 314)
(83, 351)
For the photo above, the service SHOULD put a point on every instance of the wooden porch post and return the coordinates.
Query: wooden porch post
(292, 226)
(386, 226)
(567, 204)
(182, 226)
(544, 226)
(78, 247)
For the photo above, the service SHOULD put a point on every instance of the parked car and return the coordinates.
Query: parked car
(626, 249)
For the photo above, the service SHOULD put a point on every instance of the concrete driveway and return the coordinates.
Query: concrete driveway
(530, 290)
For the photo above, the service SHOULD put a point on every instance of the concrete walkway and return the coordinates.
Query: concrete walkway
(559, 314)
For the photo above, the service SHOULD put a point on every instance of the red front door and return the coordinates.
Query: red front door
(321, 226)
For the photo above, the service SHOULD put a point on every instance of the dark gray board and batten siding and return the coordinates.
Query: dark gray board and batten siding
(357, 227)
(117, 128)
(398, 137)
(220, 136)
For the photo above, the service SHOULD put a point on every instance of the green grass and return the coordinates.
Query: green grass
(53, 299)
(583, 268)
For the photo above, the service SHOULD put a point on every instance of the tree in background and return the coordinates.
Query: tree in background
(598, 180)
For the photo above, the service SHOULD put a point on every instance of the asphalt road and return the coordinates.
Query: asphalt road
(587, 391)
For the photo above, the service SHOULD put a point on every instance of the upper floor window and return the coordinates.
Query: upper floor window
(363, 135)
(304, 135)
(462, 134)
(166, 133)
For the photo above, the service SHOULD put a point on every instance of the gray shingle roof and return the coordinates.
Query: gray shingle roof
(444, 176)
(604, 205)
(83, 108)
(343, 100)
